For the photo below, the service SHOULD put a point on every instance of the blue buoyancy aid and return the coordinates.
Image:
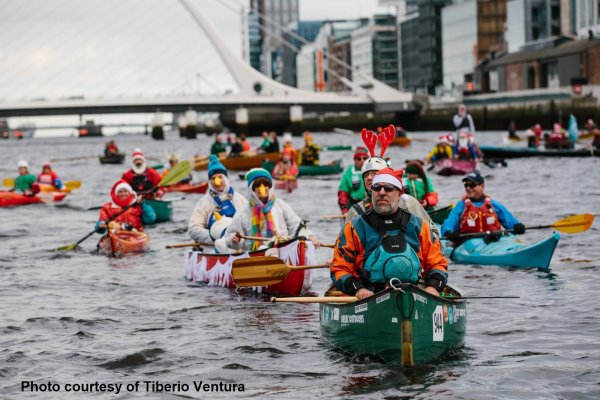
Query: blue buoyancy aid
(225, 208)
(393, 257)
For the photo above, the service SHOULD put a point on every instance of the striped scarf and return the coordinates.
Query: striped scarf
(260, 214)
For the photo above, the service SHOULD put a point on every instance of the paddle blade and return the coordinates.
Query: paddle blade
(73, 184)
(575, 223)
(176, 174)
(69, 247)
(259, 271)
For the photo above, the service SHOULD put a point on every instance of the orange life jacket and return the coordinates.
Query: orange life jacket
(479, 219)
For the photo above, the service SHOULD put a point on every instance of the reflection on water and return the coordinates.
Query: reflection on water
(81, 316)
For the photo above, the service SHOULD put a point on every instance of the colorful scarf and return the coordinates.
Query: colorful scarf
(260, 214)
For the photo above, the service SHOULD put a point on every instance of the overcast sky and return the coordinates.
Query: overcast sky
(56, 49)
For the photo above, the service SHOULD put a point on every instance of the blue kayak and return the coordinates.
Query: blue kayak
(509, 251)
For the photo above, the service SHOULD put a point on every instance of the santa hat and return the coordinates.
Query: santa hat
(137, 153)
(123, 185)
(361, 152)
(390, 176)
(47, 164)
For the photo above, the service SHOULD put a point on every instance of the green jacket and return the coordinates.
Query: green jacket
(416, 188)
(352, 184)
(217, 148)
(24, 182)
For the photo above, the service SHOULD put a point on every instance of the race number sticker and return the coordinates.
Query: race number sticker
(438, 324)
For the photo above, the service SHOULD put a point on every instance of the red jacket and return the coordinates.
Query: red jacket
(132, 216)
(144, 182)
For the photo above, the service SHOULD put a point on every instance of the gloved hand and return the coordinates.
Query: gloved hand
(492, 237)
(519, 229)
(453, 236)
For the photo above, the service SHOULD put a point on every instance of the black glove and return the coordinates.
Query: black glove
(453, 236)
(352, 285)
(436, 281)
(492, 237)
(519, 228)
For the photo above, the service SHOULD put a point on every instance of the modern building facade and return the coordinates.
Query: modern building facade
(421, 42)
(472, 31)
(586, 17)
(307, 30)
(531, 20)
(270, 18)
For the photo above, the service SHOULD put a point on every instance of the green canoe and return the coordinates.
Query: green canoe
(163, 209)
(402, 324)
(439, 215)
(312, 170)
(336, 148)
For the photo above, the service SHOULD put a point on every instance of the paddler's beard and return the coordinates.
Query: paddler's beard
(139, 170)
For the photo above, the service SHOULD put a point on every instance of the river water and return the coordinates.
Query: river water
(82, 318)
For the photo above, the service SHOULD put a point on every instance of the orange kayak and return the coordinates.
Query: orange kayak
(123, 242)
(188, 187)
(50, 188)
(401, 141)
(8, 199)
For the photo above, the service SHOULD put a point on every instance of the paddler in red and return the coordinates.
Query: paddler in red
(141, 177)
(49, 177)
(122, 196)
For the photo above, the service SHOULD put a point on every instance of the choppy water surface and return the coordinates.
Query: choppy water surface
(82, 318)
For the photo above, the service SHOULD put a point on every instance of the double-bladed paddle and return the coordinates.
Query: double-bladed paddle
(8, 182)
(176, 174)
(574, 224)
(264, 271)
(263, 239)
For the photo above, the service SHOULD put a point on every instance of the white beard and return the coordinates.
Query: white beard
(139, 170)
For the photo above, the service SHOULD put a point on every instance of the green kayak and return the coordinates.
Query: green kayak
(439, 215)
(163, 209)
(312, 170)
(402, 324)
(336, 148)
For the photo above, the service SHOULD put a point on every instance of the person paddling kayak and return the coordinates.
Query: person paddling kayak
(25, 183)
(123, 195)
(141, 177)
(263, 215)
(173, 161)
(49, 177)
(419, 185)
(477, 212)
(387, 243)
(351, 189)
(215, 209)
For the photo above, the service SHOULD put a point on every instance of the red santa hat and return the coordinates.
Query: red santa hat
(389, 176)
(137, 153)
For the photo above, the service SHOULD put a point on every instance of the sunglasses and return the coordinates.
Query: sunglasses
(471, 185)
(388, 189)
(362, 158)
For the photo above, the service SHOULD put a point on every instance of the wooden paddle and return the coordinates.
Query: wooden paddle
(262, 239)
(574, 224)
(10, 182)
(177, 173)
(264, 271)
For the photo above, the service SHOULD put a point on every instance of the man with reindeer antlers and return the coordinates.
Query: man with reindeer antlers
(375, 164)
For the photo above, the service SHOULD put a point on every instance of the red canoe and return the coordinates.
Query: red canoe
(449, 167)
(188, 188)
(8, 199)
(123, 242)
(215, 269)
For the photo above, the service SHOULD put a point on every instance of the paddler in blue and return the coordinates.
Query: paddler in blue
(216, 208)
(387, 242)
(477, 212)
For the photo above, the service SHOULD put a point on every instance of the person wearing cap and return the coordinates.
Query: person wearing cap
(352, 189)
(309, 155)
(220, 203)
(387, 242)
(218, 146)
(25, 182)
(442, 150)
(287, 146)
(263, 215)
(123, 195)
(141, 177)
(419, 185)
(173, 160)
(407, 203)
(463, 120)
(477, 212)
(464, 148)
(49, 177)
(286, 168)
